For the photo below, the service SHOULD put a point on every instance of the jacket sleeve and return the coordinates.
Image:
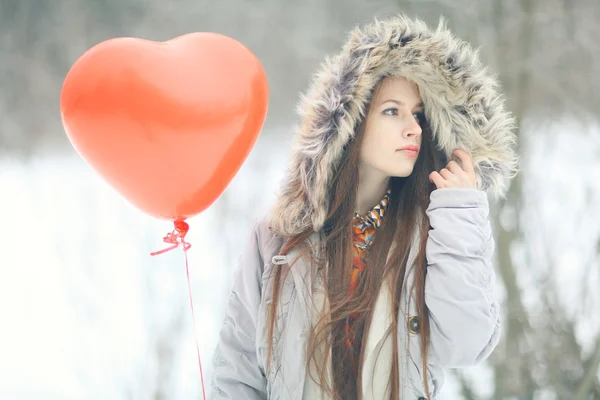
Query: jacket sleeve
(236, 372)
(464, 315)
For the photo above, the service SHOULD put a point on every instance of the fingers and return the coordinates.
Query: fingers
(465, 159)
(455, 175)
(437, 179)
(446, 174)
(455, 168)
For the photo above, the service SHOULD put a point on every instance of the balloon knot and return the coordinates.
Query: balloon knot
(176, 238)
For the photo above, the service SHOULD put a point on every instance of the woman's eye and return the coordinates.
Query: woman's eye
(391, 111)
(419, 116)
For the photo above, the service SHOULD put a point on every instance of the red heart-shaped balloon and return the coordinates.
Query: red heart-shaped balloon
(167, 124)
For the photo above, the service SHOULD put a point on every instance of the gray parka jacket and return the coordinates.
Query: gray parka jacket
(464, 111)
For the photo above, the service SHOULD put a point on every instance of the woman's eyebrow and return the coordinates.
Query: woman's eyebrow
(398, 102)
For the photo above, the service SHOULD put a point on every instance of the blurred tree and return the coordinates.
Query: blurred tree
(544, 58)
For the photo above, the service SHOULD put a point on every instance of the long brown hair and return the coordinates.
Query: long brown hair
(405, 216)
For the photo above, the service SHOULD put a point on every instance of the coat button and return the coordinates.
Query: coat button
(414, 326)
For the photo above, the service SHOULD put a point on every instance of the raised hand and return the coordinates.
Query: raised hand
(453, 176)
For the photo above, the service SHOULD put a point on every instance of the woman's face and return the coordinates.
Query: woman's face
(392, 130)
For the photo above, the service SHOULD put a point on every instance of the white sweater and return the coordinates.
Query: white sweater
(379, 349)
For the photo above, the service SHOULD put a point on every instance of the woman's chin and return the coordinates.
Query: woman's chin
(402, 172)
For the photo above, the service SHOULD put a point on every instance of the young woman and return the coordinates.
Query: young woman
(373, 273)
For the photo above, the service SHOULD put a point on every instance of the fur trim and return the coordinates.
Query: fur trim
(461, 105)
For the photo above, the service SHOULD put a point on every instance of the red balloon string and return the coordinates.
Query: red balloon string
(176, 238)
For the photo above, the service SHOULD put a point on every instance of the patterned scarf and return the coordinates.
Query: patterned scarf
(363, 230)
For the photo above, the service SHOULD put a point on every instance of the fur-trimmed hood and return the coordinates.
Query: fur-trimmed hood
(460, 100)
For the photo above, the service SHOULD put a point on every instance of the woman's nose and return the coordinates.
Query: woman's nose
(413, 129)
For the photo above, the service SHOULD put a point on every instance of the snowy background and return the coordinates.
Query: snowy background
(87, 313)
